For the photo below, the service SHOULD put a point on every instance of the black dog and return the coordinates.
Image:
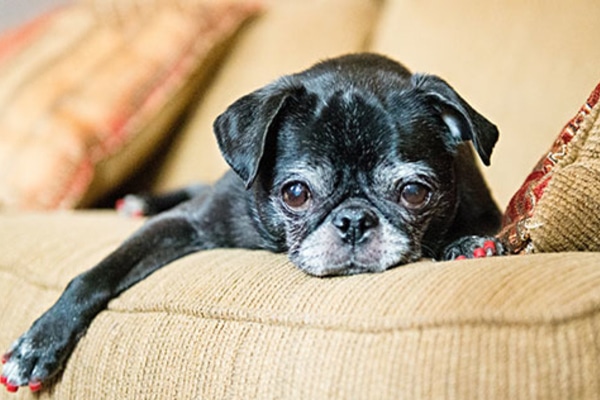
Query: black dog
(354, 165)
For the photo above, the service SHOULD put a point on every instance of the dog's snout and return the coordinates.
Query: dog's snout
(354, 222)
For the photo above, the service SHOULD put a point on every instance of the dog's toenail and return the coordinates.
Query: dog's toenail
(35, 386)
(11, 388)
(479, 252)
(490, 246)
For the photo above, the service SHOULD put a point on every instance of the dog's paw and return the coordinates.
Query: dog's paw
(32, 359)
(473, 247)
(132, 206)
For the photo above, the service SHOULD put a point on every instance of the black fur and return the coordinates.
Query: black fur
(354, 165)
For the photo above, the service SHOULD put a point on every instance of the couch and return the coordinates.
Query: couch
(247, 324)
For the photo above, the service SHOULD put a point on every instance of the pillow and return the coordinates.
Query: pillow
(89, 90)
(556, 209)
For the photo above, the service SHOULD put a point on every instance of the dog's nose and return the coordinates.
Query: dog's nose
(354, 222)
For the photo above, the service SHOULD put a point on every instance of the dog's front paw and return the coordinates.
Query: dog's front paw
(33, 358)
(132, 206)
(473, 247)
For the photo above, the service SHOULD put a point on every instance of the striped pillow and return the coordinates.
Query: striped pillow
(88, 91)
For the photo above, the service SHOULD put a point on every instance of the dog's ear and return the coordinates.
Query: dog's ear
(464, 123)
(242, 129)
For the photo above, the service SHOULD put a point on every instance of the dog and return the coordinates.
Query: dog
(354, 165)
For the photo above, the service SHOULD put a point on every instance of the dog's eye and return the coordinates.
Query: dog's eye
(296, 195)
(414, 195)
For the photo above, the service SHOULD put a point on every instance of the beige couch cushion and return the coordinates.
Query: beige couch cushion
(288, 37)
(526, 65)
(248, 324)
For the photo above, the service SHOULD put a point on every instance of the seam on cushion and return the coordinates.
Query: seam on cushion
(374, 325)
(584, 131)
(23, 278)
(346, 322)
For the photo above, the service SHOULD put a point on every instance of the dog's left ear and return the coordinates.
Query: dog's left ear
(462, 120)
(242, 130)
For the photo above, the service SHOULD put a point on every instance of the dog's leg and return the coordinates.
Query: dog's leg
(137, 205)
(40, 352)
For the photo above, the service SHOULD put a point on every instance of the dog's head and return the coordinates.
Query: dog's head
(352, 162)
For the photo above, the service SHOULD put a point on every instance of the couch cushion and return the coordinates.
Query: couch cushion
(88, 91)
(248, 324)
(525, 65)
(289, 36)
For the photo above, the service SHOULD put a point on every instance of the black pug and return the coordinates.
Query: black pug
(354, 165)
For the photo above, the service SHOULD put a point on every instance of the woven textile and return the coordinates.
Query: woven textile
(556, 209)
(88, 91)
(237, 324)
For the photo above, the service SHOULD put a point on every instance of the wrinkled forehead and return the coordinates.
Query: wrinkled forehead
(352, 127)
(360, 133)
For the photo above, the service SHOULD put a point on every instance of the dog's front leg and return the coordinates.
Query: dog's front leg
(40, 352)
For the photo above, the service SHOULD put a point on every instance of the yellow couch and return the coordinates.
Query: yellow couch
(248, 324)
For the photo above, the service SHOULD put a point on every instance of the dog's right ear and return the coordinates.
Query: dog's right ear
(242, 129)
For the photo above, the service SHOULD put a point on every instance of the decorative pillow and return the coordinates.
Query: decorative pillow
(556, 209)
(89, 90)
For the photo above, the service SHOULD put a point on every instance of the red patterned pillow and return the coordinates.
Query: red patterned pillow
(88, 91)
(557, 208)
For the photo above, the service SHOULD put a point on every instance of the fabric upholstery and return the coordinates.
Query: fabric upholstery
(556, 208)
(87, 93)
(248, 324)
